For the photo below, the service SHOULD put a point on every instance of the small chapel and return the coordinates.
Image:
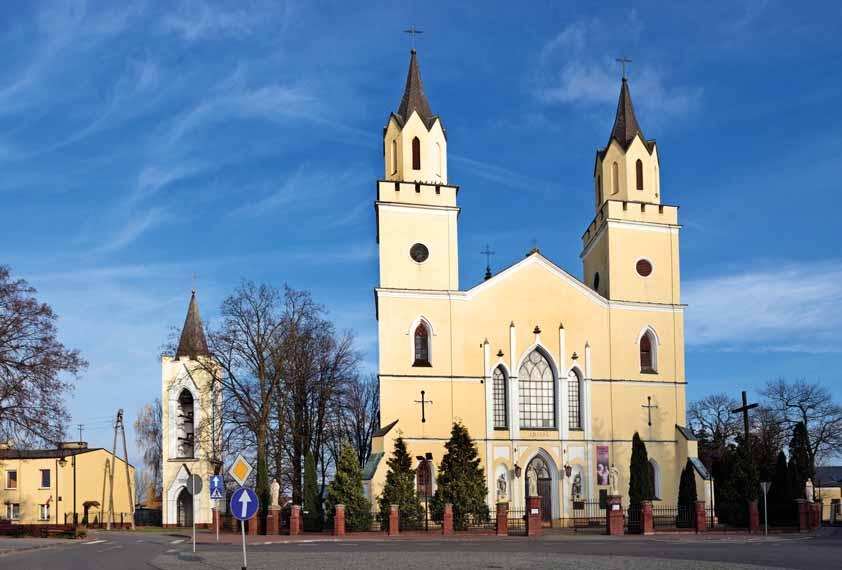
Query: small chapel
(551, 374)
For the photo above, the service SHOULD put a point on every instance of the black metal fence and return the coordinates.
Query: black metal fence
(516, 523)
(588, 515)
(478, 524)
(666, 516)
(634, 520)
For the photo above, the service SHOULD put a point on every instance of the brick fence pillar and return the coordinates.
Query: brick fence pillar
(533, 516)
(502, 519)
(339, 520)
(614, 516)
(253, 525)
(447, 520)
(753, 517)
(394, 521)
(647, 524)
(273, 521)
(701, 519)
(817, 514)
(295, 520)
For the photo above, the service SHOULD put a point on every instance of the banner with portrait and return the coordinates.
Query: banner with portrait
(602, 465)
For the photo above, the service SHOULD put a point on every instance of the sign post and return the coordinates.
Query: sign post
(244, 505)
(194, 487)
(216, 494)
(765, 486)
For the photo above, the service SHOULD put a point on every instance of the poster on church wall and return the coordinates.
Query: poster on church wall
(601, 464)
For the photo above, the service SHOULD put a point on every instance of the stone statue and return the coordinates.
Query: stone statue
(532, 480)
(613, 480)
(808, 491)
(577, 485)
(274, 491)
(501, 486)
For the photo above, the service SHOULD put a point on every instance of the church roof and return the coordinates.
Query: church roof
(192, 342)
(626, 127)
(413, 96)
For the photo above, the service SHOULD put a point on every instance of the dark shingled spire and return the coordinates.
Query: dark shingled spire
(192, 342)
(413, 96)
(626, 126)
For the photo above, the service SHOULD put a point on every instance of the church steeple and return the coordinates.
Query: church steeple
(413, 95)
(626, 126)
(192, 343)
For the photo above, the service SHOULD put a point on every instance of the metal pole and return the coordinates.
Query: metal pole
(243, 530)
(74, 493)
(765, 514)
(193, 489)
(218, 520)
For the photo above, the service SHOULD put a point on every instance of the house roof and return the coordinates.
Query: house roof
(192, 342)
(385, 429)
(44, 453)
(829, 476)
(371, 465)
(414, 98)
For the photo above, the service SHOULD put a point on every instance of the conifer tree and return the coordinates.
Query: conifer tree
(687, 495)
(312, 500)
(347, 489)
(779, 499)
(640, 485)
(802, 458)
(399, 489)
(746, 481)
(461, 481)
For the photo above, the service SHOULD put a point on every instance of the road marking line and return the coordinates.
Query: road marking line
(95, 541)
(115, 547)
(177, 541)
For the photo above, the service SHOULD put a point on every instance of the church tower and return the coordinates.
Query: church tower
(631, 247)
(189, 422)
(416, 207)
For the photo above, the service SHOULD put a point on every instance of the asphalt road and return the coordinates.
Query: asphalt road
(142, 550)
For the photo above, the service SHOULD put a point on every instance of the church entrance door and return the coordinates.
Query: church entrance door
(545, 487)
(184, 508)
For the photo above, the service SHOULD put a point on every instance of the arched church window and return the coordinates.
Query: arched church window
(422, 346)
(536, 388)
(416, 154)
(647, 353)
(574, 400)
(424, 479)
(394, 153)
(500, 399)
(184, 425)
(615, 178)
(638, 166)
(654, 480)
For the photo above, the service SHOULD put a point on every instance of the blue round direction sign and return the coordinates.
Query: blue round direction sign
(244, 503)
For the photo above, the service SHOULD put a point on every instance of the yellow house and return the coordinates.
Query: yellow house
(46, 486)
(550, 373)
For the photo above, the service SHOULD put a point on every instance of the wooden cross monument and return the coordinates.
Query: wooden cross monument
(744, 411)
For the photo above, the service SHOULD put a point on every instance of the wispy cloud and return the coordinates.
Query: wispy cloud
(788, 307)
(133, 229)
(195, 20)
(501, 175)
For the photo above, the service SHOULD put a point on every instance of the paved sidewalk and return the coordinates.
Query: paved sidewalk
(9, 545)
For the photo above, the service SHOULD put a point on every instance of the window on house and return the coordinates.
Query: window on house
(536, 388)
(615, 178)
(45, 478)
(639, 170)
(647, 356)
(422, 346)
(13, 511)
(500, 400)
(416, 154)
(44, 512)
(574, 401)
(12, 479)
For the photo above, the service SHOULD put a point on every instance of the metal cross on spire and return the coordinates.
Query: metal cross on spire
(413, 31)
(623, 61)
(487, 252)
(423, 401)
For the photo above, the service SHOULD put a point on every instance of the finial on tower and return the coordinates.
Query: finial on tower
(413, 31)
(487, 252)
(623, 60)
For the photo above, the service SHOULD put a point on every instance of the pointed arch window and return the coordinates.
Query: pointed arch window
(654, 480)
(424, 479)
(416, 154)
(536, 388)
(574, 400)
(638, 167)
(648, 353)
(598, 191)
(184, 425)
(501, 401)
(615, 178)
(394, 157)
(422, 346)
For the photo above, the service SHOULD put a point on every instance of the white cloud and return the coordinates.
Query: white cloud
(790, 307)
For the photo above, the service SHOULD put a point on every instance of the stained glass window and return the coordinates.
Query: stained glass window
(422, 346)
(646, 353)
(536, 388)
(500, 400)
(574, 401)
(416, 154)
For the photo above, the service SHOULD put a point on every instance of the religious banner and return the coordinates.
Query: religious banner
(602, 465)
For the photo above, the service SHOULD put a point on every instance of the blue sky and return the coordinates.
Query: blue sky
(143, 142)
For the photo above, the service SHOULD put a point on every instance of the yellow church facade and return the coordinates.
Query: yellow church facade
(548, 372)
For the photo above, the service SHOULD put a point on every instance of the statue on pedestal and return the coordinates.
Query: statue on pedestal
(613, 480)
(577, 485)
(274, 491)
(808, 491)
(532, 481)
(501, 487)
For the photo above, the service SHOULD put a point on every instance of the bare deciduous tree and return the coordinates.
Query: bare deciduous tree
(148, 437)
(33, 366)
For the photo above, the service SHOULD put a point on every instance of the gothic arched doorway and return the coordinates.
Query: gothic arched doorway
(541, 471)
(184, 508)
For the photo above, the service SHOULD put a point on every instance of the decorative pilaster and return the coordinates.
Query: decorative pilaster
(514, 393)
(562, 382)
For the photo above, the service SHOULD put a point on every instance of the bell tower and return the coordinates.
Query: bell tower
(416, 207)
(630, 249)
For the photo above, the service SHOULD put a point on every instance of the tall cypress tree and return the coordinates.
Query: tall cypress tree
(347, 489)
(399, 489)
(640, 484)
(312, 500)
(461, 481)
(780, 506)
(801, 457)
(687, 495)
(746, 481)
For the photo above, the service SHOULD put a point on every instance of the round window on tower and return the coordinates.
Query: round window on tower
(644, 267)
(419, 252)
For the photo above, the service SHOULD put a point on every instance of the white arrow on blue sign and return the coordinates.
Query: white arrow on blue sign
(216, 491)
(244, 503)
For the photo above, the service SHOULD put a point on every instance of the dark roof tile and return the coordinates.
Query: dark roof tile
(192, 343)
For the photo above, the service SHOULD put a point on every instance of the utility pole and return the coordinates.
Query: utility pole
(118, 425)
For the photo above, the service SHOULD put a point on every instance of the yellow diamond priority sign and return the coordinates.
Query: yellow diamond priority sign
(240, 470)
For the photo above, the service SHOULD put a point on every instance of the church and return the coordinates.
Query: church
(552, 375)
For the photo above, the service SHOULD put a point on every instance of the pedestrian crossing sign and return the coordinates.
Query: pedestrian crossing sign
(216, 492)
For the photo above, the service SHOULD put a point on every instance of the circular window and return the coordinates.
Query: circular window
(419, 252)
(644, 267)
